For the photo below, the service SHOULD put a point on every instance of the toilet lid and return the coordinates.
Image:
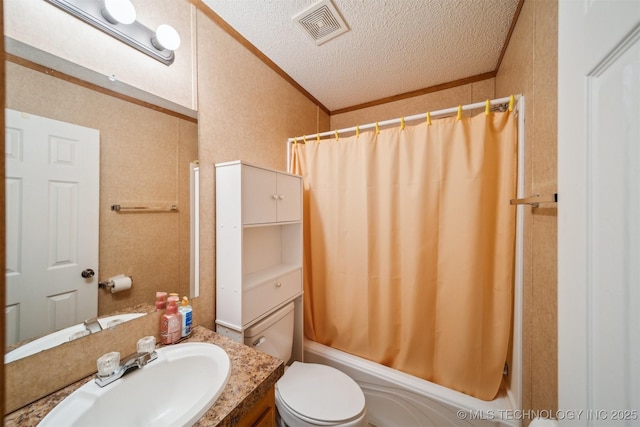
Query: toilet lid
(320, 392)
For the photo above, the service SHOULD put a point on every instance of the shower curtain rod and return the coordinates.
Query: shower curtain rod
(422, 116)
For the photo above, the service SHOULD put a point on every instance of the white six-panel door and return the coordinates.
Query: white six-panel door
(599, 212)
(52, 195)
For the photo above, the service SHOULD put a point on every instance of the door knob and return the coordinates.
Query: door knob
(88, 273)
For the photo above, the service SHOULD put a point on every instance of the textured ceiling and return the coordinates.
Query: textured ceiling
(393, 46)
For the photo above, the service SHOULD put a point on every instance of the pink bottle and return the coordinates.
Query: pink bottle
(171, 323)
(161, 300)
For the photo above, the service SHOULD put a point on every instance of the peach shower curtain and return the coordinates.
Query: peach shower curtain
(409, 247)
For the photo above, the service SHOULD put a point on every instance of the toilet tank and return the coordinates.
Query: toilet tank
(273, 334)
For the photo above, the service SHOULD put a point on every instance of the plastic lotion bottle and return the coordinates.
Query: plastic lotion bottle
(186, 311)
(171, 322)
(161, 300)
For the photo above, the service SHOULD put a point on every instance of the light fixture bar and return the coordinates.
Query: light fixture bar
(135, 35)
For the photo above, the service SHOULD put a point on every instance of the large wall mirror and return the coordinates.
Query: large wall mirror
(146, 158)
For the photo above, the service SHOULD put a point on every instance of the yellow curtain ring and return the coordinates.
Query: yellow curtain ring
(377, 128)
(318, 137)
(428, 118)
(304, 139)
(357, 131)
(295, 142)
(402, 123)
(459, 112)
(512, 100)
(336, 134)
(487, 108)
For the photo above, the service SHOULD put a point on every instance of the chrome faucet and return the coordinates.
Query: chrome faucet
(128, 364)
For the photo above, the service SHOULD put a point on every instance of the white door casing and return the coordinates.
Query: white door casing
(599, 212)
(52, 196)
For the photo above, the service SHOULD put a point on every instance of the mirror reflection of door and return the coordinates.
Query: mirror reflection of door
(52, 167)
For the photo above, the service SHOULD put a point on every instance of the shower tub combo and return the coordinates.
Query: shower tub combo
(394, 398)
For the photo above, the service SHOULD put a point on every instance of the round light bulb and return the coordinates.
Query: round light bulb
(166, 37)
(119, 11)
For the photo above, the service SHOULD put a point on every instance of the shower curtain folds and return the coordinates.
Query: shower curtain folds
(409, 247)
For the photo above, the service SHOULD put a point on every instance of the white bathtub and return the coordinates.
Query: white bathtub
(396, 399)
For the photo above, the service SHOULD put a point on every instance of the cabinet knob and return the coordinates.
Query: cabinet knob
(274, 196)
(280, 197)
(279, 285)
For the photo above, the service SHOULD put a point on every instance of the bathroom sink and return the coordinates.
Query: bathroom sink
(62, 336)
(176, 389)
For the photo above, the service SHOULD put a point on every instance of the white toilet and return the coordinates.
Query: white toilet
(309, 394)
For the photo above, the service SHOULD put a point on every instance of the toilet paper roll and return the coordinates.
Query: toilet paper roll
(120, 283)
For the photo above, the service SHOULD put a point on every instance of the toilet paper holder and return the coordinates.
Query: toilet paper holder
(109, 284)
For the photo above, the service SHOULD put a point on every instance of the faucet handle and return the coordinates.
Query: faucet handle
(111, 368)
(108, 363)
(146, 344)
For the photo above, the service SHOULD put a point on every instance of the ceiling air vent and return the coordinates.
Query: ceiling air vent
(322, 22)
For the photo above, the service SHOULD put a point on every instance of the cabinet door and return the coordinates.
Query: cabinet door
(262, 414)
(289, 197)
(259, 198)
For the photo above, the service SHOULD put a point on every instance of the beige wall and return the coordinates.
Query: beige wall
(530, 67)
(461, 95)
(144, 157)
(105, 55)
(246, 111)
(143, 153)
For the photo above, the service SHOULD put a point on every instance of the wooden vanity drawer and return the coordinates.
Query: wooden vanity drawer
(262, 296)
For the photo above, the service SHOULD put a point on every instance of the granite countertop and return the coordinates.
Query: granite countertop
(252, 375)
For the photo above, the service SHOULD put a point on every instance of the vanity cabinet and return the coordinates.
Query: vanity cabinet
(258, 247)
(263, 413)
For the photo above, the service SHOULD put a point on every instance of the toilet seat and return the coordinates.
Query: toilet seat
(320, 395)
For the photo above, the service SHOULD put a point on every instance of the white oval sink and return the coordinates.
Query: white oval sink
(62, 336)
(176, 389)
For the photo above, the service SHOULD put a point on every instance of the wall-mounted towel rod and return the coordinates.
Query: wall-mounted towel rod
(120, 208)
(535, 200)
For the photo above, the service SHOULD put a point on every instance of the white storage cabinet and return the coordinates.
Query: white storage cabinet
(258, 247)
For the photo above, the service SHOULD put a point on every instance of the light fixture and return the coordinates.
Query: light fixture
(119, 11)
(166, 38)
(118, 19)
